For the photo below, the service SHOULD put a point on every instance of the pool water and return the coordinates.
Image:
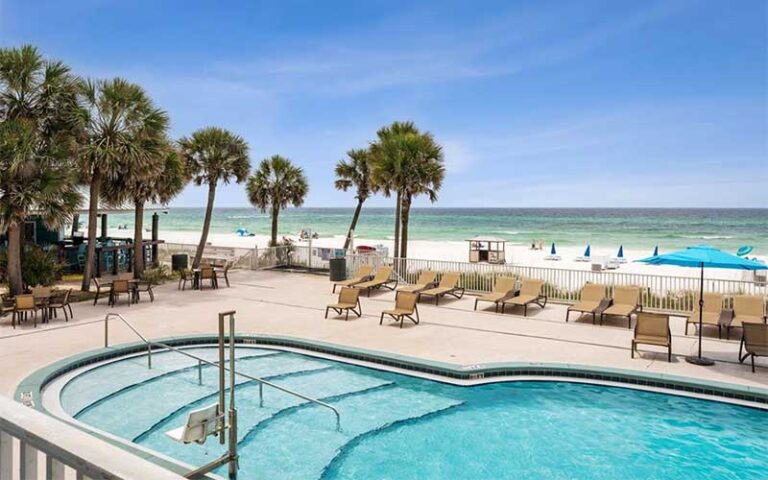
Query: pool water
(400, 427)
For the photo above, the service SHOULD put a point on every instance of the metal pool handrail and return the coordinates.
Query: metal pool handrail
(201, 360)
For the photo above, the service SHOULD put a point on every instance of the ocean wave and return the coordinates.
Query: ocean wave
(235, 217)
(508, 232)
(709, 237)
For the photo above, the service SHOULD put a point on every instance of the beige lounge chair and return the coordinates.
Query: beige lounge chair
(426, 280)
(349, 300)
(626, 302)
(381, 279)
(447, 286)
(746, 308)
(405, 307)
(362, 275)
(754, 342)
(652, 329)
(593, 300)
(530, 292)
(503, 289)
(710, 315)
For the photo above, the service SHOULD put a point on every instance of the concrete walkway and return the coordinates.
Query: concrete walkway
(281, 303)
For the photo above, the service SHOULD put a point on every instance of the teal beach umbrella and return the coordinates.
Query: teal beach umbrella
(744, 250)
(703, 256)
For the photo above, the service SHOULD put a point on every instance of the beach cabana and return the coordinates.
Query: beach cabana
(487, 249)
(703, 256)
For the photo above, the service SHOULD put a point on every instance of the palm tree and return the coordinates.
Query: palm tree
(274, 185)
(214, 155)
(355, 172)
(38, 130)
(159, 183)
(123, 129)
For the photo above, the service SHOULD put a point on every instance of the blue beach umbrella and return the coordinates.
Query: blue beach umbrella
(587, 252)
(656, 251)
(621, 252)
(552, 251)
(703, 256)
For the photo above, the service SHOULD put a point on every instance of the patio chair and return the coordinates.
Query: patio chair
(225, 272)
(754, 342)
(23, 305)
(125, 276)
(626, 302)
(349, 300)
(185, 275)
(61, 302)
(710, 315)
(448, 286)
(530, 292)
(405, 307)
(6, 308)
(143, 286)
(208, 273)
(503, 288)
(381, 279)
(363, 274)
(426, 280)
(101, 289)
(652, 329)
(746, 308)
(593, 301)
(120, 287)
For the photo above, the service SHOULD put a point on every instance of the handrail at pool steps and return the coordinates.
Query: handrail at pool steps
(200, 361)
(67, 452)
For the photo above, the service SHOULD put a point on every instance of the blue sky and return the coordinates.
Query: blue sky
(537, 103)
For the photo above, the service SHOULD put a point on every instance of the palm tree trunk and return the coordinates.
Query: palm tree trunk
(404, 216)
(398, 206)
(273, 241)
(138, 241)
(353, 225)
(206, 224)
(15, 280)
(93, 211)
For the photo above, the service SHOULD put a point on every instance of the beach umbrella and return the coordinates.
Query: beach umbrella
(656, 251)
(744, 250)
(587, 252)
(621, 252)
(552, 251)
(703, 256)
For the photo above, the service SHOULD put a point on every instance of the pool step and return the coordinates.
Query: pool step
(299, 444)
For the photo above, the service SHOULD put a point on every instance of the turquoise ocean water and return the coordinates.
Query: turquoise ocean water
(644, 228)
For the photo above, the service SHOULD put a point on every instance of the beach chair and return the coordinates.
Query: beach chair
(746, 308)
(23, 305)
(61, 302)
(530, 292)
(592, 301)
(710, 315)
(652, 329)
(626, 302)
(754, 342)
(447, 286)
(504, 288)
(349, 300)
(101, 289)
(381, 279)
(405, 307)
(363, 274)
(425, 281)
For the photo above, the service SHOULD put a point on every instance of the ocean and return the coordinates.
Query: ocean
(727, 229)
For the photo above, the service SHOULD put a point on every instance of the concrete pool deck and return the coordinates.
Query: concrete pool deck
(293, 304)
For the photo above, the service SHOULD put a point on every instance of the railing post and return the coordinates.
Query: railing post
(199, 372)
(149, 356)
(6, 455)
(106, 331)
(261, 394)
(27, 461)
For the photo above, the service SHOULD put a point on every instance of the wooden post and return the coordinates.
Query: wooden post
(103, 225)
(75, 223)
(98, 262)
(155, 231)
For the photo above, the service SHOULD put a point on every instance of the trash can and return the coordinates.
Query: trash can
(338, 269)
(179, 261)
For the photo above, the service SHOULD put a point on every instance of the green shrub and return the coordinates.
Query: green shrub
(158, 275)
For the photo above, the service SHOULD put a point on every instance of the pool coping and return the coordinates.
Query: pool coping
(30, 388)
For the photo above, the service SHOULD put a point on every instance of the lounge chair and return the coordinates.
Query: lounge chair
(23, 305)
(504, 288)
(405, 307)
(363, 274)
(349, 300)
(626, 302)
(593, 301)
(101, 289)
(746, 308)
(710, 315)
(530, 292)
(652, 329)
(754, 342)
(61, 302)
(425, 281)
(447, 286)
(381, 279)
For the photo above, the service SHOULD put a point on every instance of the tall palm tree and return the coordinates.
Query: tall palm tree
(38, 130)
(387, 172)
(355, 172)
(276, 184)
(159, 183)
(123, 129)
(214, 155)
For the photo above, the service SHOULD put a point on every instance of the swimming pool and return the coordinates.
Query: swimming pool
(402, 427)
